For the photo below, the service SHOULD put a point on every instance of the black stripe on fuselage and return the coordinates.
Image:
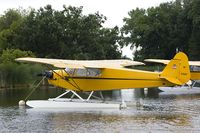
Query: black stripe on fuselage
(101, 78)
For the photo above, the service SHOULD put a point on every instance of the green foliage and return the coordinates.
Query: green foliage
(9, 55)
(159, 32)
(67, 34)
(10, 18)
(194, 43)
(9, 24)
(12, 73)
(59, 34)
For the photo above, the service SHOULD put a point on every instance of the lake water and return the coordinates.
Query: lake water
(175, 110)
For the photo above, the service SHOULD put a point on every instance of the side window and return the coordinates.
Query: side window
(81, 72)
(89, 72)
(93, 72)
(70, 71)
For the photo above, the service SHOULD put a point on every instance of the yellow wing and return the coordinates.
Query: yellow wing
(61, 63)
(191, 63)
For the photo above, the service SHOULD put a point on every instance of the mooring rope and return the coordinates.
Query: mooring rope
(34, 88)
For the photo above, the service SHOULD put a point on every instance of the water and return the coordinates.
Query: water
(170, 111)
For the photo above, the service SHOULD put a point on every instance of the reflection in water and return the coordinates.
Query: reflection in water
(11, 97)
(164, 113)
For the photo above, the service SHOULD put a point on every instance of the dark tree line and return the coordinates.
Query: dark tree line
(159, 32)
(59, 34)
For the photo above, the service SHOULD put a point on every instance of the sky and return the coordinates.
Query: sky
(114, 10)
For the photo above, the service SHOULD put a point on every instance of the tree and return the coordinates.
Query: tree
(9, 23)
(67, 34)
(158, 31)
(194, 42)
(9, 55)
(11, 72)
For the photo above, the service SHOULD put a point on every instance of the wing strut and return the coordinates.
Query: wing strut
(58, 98)
(34, 88)
(73, 81)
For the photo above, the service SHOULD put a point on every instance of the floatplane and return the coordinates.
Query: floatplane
(79, 76)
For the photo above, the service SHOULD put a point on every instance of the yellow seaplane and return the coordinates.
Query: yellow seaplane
(99, 75)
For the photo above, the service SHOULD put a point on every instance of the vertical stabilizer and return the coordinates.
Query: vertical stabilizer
(177, 70)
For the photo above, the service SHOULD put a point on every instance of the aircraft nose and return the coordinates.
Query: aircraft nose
(49, 74)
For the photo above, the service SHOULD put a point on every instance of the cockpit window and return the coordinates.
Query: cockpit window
(88, 72)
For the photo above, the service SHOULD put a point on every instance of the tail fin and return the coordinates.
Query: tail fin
(177, 70)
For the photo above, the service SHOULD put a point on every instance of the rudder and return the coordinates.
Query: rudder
(177, 70)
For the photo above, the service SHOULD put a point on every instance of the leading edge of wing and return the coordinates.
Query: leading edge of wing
(61, 63)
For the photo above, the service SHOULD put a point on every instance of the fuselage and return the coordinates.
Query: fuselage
(106, 79)
(195, 75)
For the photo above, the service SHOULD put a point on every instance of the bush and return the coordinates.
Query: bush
(12, 74)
